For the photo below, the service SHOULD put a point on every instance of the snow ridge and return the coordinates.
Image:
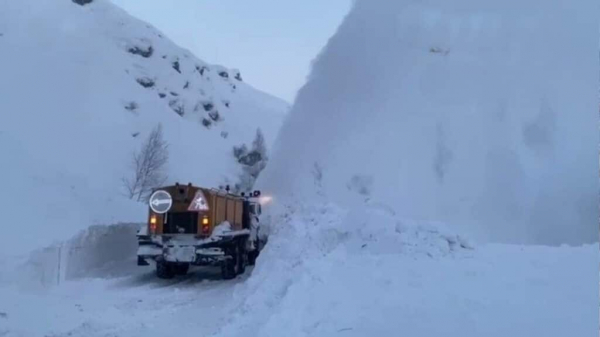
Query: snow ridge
(309, 241)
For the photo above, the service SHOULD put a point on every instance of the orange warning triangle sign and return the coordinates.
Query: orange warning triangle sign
(199, 203)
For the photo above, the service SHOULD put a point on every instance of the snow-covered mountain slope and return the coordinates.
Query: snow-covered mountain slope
(483, 115)
(81, 88)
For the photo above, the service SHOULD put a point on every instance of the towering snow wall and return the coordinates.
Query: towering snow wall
(483, 115)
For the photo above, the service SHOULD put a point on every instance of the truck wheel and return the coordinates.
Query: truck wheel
(242, 258)
(181, 269)
(236, 264)
(164, 270)
(228, 269)
(252, 256)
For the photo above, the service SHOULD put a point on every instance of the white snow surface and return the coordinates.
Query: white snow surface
(360, 248)
(66, 136)
(375, 275)
(479, 114)
(367, 272)
(221, 229)
(136, 306)
(424, 124)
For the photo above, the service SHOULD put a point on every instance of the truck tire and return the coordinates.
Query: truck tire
(242, 254)
(164, 270)
(252, 256)
(228, 271)
(235, 265)
(181, 268)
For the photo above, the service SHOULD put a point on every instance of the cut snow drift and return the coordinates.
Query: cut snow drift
(365, 272)
(97, 252)
(477, 114)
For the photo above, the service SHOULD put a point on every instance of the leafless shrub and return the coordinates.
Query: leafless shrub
(148, 166)
(253, 161)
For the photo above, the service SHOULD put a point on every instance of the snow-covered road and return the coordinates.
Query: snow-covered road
(374, 275)
(493, 290)
(137, 305)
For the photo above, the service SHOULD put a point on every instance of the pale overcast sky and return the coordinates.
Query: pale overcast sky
(272, 42)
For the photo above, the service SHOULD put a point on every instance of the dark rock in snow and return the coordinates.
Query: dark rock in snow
(146, 82)
(187, 85)
(201, 70)
(177, 107)
(208, 106)
(206, 122)
(224, 74)
(214, 115)
(162, 95)
(173, 93)
(146, 53)
(176, 66)
(82, 2)
(131, 106)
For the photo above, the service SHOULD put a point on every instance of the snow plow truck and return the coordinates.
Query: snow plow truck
(189, 225)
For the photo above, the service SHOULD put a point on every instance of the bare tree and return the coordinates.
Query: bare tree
(253, 161)
(148, 166)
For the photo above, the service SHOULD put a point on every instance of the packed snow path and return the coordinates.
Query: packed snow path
(493, 290)
(138, 305)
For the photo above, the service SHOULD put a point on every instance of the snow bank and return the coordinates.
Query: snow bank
(365, 272)
(96, 252)
(478, 114)
(311, 239)
(82, 87)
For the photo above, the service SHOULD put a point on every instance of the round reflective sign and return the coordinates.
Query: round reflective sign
(161, 202)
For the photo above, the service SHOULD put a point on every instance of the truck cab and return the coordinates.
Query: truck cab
(190, 225)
